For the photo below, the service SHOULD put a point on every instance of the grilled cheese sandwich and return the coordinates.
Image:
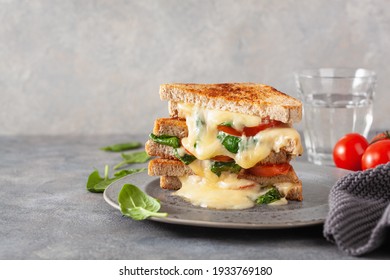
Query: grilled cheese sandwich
(230, 152)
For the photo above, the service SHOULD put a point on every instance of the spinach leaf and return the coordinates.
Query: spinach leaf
(137, 205)
(185, 158)
(218, 167)
(135, 157)
(93, 180)
(121, 147)
(126, 172)
(167, 140)
(98, 184)
(231, 143)
(271, 196)
(229, 124)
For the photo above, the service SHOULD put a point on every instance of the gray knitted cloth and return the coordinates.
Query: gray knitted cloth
(359, 210)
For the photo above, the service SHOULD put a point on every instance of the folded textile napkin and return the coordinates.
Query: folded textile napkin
(359, 210)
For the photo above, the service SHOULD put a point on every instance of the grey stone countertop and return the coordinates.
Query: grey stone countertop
(47, 213)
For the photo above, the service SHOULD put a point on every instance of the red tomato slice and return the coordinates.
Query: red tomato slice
(253, 130)
(222, 158)
(229, 130)
(247, 186)
(270, 170)
(188, 152)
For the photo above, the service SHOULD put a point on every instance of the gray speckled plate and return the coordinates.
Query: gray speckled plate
(316, 180)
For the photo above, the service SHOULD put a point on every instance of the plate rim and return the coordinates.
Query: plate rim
(217, 224)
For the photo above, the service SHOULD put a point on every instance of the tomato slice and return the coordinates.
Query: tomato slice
(229, 130)
(188, 152)
(247, 186)
(222, 158)
(253, 130)
(270, 170)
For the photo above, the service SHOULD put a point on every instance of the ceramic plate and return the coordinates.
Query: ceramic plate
(316, 181)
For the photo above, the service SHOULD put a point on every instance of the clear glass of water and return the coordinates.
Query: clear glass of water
(336, 101)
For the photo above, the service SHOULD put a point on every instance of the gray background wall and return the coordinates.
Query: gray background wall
(94, 67)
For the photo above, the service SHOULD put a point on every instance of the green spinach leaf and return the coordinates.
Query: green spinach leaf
(135, 157)
(271, 196)
(137, 205)
(229, 124)
(231, 143)
(121, 147)
(167, 140)
(126, 172)
(218, 167)
(93, 180)
(98, 184)
(186, 158)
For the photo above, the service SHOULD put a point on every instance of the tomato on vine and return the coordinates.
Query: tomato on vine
(377, 153)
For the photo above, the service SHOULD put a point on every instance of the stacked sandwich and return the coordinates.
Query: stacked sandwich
(227, 146)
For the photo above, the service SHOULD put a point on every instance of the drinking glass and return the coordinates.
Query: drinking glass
(336, 101)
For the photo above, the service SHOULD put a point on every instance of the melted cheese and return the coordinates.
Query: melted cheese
(203, 143)
(282, 201)
(208, 190)
(200, 192)
(202, 168)
(227, 191)
(285, 187)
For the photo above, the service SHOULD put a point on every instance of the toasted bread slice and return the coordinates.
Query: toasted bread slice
(158, 150)
(170, 183)
(168, 167)
(171, 126)
(171, 169)
(246, 98)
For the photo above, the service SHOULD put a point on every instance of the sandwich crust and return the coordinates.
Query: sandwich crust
(168, 167)
(171, 126)
(245, 98)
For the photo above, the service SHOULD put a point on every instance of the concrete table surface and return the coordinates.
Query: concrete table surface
(47, 213)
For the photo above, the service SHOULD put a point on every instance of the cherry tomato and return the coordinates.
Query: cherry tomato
(270, 170)
(348, 151)
(381, 136)
(377, 153)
